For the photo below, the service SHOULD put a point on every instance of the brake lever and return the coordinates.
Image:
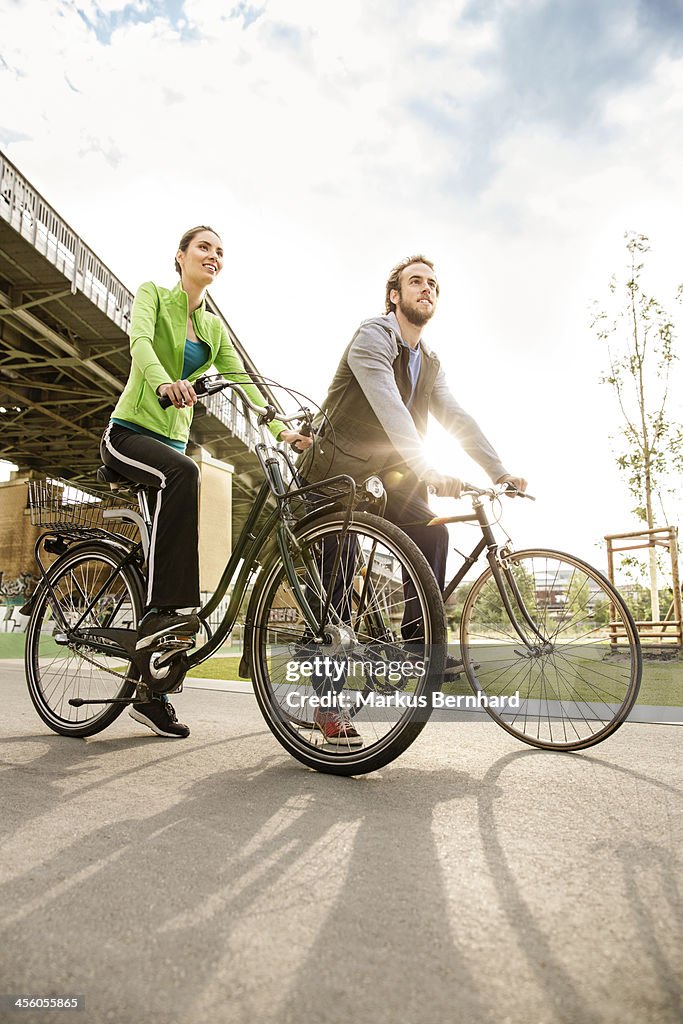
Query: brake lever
(306, 429)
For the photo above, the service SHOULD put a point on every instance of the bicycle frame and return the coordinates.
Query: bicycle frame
(499, 570)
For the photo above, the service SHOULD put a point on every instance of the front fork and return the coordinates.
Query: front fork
(288, 546)
(498, 560)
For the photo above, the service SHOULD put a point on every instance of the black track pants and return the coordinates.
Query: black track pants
(407, 507)
(174, 544)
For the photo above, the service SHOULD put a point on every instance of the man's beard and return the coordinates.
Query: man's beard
(417, 317)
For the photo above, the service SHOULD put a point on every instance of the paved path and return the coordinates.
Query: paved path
(215, 880)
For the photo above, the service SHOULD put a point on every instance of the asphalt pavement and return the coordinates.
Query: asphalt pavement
(216, 880)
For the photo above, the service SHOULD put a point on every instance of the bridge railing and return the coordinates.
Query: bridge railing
(36, 221)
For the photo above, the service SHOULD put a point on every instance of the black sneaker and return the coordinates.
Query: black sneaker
(160, 717)
(157, 629)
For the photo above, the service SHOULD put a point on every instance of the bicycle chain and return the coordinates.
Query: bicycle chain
(141, 684)
(103, 668)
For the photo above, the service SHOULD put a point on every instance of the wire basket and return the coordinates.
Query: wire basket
(60, 506)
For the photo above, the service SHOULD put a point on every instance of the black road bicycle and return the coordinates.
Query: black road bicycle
(326, 580)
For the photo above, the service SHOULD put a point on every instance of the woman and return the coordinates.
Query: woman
(173, 339)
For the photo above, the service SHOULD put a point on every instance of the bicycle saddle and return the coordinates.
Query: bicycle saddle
(106, 475)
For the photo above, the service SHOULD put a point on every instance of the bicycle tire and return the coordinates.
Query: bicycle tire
(576, 684)
(57, 672)
(387, 734)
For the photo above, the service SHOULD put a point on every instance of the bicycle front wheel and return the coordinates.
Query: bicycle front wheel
(86, 585)
(379, 656)
(566, 675)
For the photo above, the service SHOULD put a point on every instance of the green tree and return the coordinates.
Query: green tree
(578, 598)
(601, 612)
(640, 339)
(491, 608)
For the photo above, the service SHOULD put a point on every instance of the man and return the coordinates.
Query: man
(376, 412)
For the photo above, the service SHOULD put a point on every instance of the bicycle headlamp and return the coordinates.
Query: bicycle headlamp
(374, 486)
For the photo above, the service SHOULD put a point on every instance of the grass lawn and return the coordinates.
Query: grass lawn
(218, 668)
(12, 645)
(662, 680)
(662, 683)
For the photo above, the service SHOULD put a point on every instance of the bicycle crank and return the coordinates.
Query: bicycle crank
(163, 670)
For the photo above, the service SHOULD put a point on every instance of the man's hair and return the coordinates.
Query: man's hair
(393, 284)
(187, 238)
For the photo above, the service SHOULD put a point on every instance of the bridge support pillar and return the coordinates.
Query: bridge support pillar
(215, 518)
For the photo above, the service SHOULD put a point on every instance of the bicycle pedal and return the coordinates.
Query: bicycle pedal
(162, 654)
(173, 642)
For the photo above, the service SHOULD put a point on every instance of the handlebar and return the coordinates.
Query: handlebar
(470, 490)
(209, 384)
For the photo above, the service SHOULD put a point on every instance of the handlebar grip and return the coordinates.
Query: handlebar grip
(519, 494)
(201, 387)
(306, 430)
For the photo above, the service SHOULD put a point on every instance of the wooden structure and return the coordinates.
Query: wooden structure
(668, 632)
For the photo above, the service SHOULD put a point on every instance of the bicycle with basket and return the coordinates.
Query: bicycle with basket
(304, 556)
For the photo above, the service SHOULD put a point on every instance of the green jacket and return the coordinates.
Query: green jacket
(158, 330)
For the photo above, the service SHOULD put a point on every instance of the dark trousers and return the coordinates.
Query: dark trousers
(407, 507)
(174, 545)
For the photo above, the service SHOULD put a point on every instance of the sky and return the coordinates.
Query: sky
(512, 141)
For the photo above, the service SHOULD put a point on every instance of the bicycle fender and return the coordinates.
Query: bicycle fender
(244, 670)
(27, 608)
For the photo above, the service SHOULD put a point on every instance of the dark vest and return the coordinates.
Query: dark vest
(357, 444)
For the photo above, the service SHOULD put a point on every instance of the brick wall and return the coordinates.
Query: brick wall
(17, 536)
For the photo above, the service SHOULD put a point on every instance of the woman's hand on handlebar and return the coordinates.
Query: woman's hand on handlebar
(180, 394)
(298, 441)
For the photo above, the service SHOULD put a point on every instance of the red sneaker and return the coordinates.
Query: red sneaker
(337, 728)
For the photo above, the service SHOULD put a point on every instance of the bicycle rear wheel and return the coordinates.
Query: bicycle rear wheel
(384, 592)
(87, 583)
(572, 676)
